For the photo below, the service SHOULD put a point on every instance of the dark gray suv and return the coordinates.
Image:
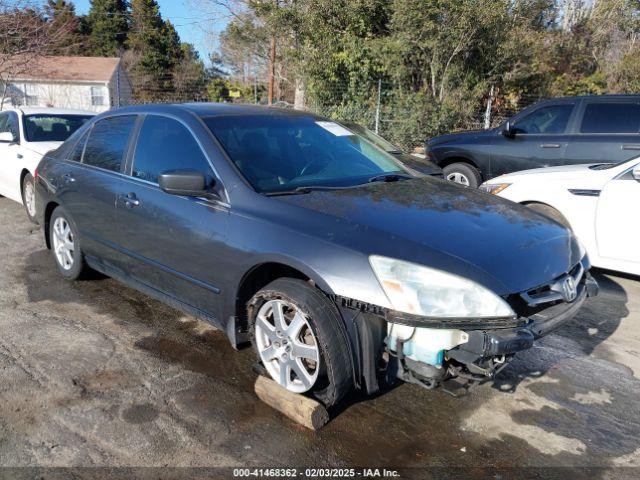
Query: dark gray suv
(561, 131)
(291, 232)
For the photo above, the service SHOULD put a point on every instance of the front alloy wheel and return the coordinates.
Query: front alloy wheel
(458, 177)
(300, 338)
(463, 174)
(287, 346)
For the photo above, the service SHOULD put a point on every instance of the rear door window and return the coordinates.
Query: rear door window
(108, 141)
(166, 144)
(78, 149)
(617, 117)
(552, 119)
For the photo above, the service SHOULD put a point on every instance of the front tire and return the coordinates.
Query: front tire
(29, 197)
(65, 245)
(300, 339)
(463, 174)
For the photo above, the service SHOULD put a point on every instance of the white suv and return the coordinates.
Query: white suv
(26, 134)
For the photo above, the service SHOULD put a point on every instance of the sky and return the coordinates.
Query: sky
(193, 23)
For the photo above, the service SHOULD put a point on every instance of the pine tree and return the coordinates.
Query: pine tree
(64, 28)
(109, 25)
(155, 45)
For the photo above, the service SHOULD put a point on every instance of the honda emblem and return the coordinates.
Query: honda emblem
(569, 289)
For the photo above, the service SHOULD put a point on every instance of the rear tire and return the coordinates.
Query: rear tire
(29, 197)
(65, 246)
(285, 350)
(463, 174)
(550, 212)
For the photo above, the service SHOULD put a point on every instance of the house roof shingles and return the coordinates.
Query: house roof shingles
(69, 69)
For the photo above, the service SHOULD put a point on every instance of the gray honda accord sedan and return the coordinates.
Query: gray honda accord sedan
(295, 234)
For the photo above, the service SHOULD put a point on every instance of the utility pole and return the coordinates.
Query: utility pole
(272, 62)
(377, 127)
(255, 88)
(487, 112)
(272, 69)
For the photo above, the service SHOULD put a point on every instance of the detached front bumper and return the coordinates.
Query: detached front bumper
(478, 348)
(488, 343)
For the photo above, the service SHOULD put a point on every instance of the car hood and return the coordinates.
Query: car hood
(42, 147)
(457, 136)
(581, 176)
(568, 170)
(422, 166)
(495, 242)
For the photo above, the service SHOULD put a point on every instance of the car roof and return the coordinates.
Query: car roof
(51, 111)
(592, 97)
(203, 109)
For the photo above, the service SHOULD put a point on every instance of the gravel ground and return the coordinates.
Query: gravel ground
(95, 374)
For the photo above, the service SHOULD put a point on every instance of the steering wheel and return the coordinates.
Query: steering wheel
(316, 160)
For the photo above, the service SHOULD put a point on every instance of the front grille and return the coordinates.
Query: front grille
(555, 291)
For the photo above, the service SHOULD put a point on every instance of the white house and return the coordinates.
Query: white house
(86, 83)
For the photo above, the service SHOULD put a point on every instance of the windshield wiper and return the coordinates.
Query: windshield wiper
(389, 177)
(306, 189)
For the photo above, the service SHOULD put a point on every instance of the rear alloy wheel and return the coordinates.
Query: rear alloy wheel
(29, 197)
(300, 339)
(65, 245)
(463, 174)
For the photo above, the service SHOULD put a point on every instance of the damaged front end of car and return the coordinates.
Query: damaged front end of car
(431, 351)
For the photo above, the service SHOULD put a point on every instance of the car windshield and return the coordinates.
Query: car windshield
(373, 138)
(278, 153)
(52, 128)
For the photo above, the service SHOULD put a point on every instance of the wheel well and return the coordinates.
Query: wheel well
(527, 203)
(51, 206)
(258, 277)
(534, 202)
(450, 161)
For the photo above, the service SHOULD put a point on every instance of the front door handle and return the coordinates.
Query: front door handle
(550, 145)
(630, 146)
(68, 178)
(130, 200)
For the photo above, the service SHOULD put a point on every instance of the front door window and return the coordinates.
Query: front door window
(552, 119)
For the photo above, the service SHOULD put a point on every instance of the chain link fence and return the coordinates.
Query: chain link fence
(379, 106)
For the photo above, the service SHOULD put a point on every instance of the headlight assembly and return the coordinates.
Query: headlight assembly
(493, 188)
(428, 292)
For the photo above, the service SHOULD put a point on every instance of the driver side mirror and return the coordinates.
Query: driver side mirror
(636, 173)
(508, 131)
(7, 137)
(188, 183)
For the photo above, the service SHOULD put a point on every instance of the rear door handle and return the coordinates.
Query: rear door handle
(130, 200)
(631, 146)
(550, 145)
(68, 178)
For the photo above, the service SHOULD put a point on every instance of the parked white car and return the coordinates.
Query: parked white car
(599, 202)
(26, 134)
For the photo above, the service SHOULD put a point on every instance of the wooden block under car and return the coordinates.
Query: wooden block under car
(303, 410)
